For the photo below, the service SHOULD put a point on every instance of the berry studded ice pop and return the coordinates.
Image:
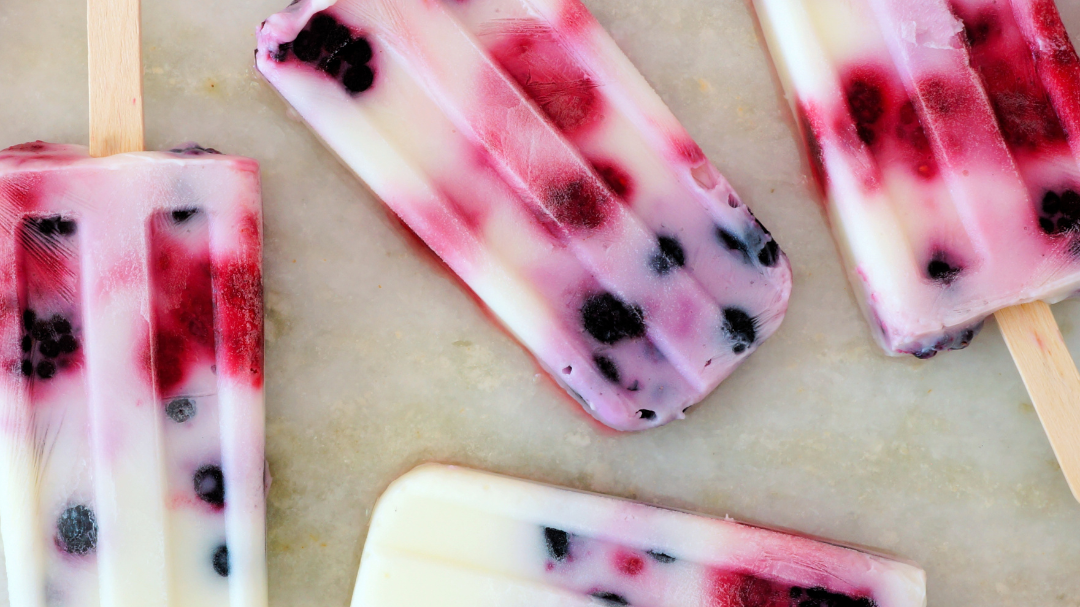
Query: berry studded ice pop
(131, 415)
(455, 537)
(945, 134)
(521, 145)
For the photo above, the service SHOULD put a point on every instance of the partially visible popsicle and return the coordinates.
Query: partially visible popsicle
(945, 135)
(522, 146)
(131, 390)
(452, 537)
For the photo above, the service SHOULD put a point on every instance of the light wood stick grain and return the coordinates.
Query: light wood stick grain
(1051, 378)
(116, 105)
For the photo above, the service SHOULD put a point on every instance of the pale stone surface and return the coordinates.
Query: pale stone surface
(377, 360)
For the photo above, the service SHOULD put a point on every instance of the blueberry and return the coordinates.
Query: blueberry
(671, 255)
(358, 79)
(732, 241)
(27, 367)
(65, 227)
(182, 215)
(661, 557)
(607, 368)
(941, 269)
(60, 325)
(68, 344)
(76, 530)
(608, 319)
(558, 543)
(27, 343)
(180, 409)
(610, 597)
(283, 51)
(29, 317)
(769, 254)
(795, 592)
(46, 369)
(357, 52)
(740, 328)
(49, 349)
(330, 65)
(210, 485)
(47, 225)
(646, 414)
(221, 560)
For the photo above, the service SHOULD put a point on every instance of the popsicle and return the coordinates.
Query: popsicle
(523, 147)
(945, 137)
(449, 536)
(131, 397)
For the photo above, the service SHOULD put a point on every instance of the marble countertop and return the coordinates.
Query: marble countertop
(377, 360)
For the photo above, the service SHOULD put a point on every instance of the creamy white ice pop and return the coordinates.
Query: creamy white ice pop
(449, 536)
(521, 145)
(131, 397)
(945, 135)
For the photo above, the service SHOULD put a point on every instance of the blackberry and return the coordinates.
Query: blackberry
(46, 369)
(76, 530)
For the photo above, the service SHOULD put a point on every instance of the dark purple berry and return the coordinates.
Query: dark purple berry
(210, 485)
(336, 38)
(76, 530)
(646, 414)
(68, 344)
(27, 343)
(941, 269)
(180, 409)
(182, 215)
(47, 225)
(357, 52)
(27, 367)
(358, 79)
(306, 47)
(49, 349)
(1060, 212)
(610, 597)
(60, 325)
(769, 254)
(46, 369)
(29, 317)
(661, 557)
(42, 330)
(671, 255)
(740, 328)
(732, 241)
(558, 543)
(608, 319)
(607, 368)
(66, 227)
(221, 560)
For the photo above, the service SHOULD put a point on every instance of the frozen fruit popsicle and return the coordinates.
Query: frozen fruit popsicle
(449, 536)
(520, 144)
(945, 135)
(131, 415)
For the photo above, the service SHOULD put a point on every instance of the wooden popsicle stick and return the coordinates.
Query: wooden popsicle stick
(115, 59)
(1051, 377)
